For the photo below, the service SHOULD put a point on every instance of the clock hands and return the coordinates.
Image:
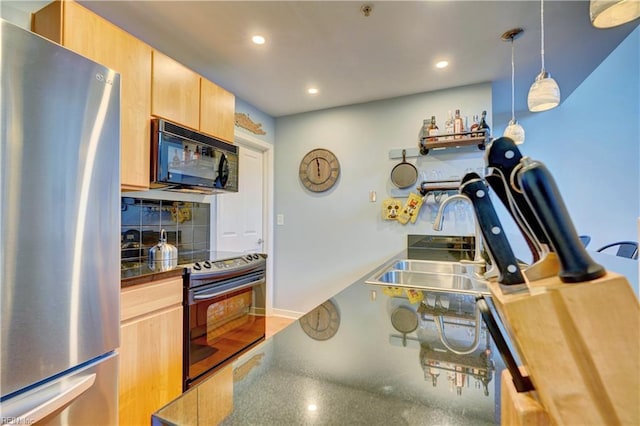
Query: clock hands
(323, 174)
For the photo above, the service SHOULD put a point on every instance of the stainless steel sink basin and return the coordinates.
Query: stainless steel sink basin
(431, 266)
(451, 277)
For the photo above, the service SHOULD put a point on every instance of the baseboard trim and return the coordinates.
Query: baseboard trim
(287, 314)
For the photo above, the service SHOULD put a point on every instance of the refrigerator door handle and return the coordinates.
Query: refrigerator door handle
(63, 398)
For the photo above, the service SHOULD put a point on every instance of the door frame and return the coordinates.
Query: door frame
(246, 140)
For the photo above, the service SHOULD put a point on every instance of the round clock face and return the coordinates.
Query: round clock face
(321, 323)
(319, 170)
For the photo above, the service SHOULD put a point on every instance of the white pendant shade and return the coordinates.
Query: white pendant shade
(607, 14)
(544, 93)
(515, 132)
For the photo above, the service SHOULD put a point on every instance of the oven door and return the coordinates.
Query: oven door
(221, 321)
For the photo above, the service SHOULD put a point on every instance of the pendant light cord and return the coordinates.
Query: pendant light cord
(542, 32)
(513, 81)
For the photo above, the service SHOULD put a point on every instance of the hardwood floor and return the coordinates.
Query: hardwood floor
(275, 324)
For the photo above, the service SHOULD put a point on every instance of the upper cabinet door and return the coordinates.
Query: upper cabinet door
(88, 34)
(217, 109)
(175, 92)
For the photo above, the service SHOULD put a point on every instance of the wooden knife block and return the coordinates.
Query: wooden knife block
(580, 344)
(520, 408)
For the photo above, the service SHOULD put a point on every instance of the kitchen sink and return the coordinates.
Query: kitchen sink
(449, 277)
(431, 266)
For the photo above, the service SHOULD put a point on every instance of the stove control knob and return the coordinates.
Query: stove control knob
(207, 264)
(256, 257)
(248, 257)
(197, 266)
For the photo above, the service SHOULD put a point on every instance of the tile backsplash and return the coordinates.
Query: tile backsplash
(187, 225)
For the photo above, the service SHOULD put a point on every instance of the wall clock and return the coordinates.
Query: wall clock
(319, 170)
(323, 322)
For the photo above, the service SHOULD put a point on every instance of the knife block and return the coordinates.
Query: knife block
(580, 344)
(520, 408)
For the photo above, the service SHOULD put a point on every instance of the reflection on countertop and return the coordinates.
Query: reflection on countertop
(368, 372)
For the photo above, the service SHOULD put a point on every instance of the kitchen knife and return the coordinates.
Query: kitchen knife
(510, 277)
(504, 156)
(498, 185)
(544, 198)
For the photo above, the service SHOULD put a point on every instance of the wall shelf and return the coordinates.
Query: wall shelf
(453, 140)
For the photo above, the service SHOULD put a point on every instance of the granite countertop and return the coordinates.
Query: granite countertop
(365, 374)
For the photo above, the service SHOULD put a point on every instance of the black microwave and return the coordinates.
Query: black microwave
(185, 160)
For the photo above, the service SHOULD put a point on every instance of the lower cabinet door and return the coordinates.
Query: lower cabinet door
(150, 364)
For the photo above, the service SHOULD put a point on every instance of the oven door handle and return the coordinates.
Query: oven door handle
(206, 296)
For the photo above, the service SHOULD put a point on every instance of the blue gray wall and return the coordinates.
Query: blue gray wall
(329, 240)
(590, 143)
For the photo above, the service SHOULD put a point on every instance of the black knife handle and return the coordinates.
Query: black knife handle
(495, 239)
(503, 154)
(497, 184)
(543, 196)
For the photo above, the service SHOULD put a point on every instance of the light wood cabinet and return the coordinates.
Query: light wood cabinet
(181, 95)
(175, 93)
(208, 403)
(150, 349)
(217, 110)
(86, 33)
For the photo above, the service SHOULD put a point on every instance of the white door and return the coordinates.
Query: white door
(240, 215)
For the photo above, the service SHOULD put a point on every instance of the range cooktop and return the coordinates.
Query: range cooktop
(224, 265)
(198, 262)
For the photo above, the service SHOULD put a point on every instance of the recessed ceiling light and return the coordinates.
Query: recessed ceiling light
(442, 64)
(312, 91)
(312, 407)
(258, 39)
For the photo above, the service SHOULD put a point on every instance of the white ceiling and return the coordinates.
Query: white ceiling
(352, 58)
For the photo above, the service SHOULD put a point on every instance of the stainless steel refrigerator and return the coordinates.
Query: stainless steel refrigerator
(59, 234)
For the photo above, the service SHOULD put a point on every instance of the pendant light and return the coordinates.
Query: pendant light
(544, 93)
(607, 14)
(514, 131)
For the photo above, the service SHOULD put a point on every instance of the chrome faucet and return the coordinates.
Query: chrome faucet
(478, 261)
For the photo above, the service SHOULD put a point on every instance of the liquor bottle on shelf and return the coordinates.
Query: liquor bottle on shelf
(196, 155)
(483, 127)
(424, 132)
(458, 125)
(448, 125)
(433, 130)
(474, 126)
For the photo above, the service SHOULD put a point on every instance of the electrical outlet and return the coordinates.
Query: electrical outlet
(280, 219)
